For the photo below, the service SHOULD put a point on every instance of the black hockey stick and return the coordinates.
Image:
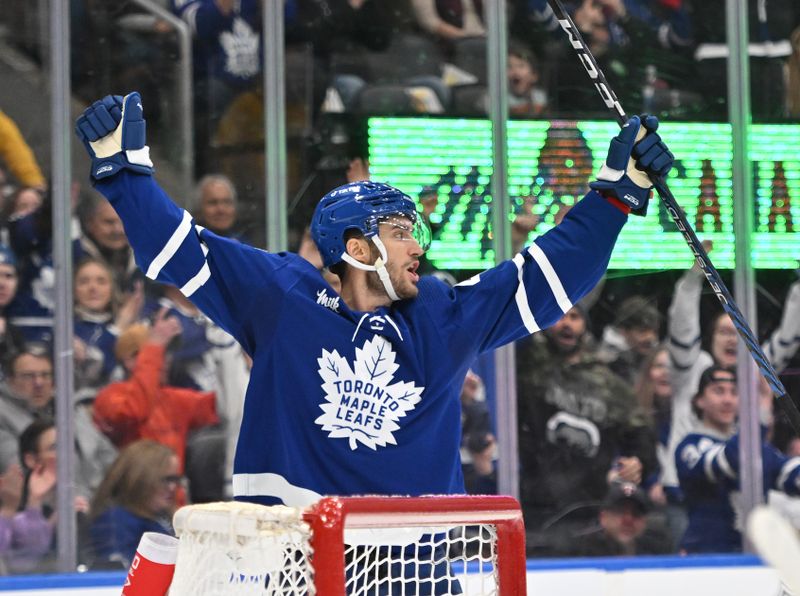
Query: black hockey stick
(714, 280)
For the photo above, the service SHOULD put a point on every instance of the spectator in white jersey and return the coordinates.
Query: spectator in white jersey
(371, 376)
(689, 359)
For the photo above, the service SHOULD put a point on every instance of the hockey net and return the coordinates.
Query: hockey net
(354, 546)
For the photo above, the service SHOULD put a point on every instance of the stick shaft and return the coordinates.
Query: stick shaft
(676, 213)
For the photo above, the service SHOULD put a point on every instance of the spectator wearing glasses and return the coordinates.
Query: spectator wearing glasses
(138, 495)
(28, 395)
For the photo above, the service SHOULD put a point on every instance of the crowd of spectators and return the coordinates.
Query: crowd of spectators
(617, 425)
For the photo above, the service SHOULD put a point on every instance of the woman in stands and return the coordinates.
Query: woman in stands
(138, 495)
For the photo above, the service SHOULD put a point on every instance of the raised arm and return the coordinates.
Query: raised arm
(683, 324)
(224, 278)
(536, 288)
(784, 341)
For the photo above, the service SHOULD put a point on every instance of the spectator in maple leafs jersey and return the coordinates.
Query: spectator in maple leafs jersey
(360, 385)
(226, 60)
(708, 467)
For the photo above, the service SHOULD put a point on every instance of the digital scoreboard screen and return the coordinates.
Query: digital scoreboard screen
(550, 165)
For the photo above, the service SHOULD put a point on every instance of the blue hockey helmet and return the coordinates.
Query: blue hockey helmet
(360, 206)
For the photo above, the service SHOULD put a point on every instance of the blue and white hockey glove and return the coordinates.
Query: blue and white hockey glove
(635, 154)
(113, 131)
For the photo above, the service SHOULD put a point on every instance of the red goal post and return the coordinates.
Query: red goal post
(354, 546)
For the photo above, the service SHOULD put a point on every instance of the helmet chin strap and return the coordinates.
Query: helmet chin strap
(379, 267)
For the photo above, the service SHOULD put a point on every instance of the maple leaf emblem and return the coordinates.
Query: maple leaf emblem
(363, 404)
(240, 46)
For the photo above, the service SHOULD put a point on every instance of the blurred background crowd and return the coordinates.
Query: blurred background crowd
(627, 408)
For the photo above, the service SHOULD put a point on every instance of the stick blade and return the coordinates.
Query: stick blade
(777, 543)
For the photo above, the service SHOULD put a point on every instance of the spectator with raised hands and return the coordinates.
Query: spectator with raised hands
(688, 359)
(144, 406)
(26, 535)
(28, 395)
(100, 315)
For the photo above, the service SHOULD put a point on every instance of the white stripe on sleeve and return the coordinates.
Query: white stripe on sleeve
(171, 247)
(521, 298)
(197, 281)
(551, 276)
(708, 460)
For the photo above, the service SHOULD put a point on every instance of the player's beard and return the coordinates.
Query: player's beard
(403, 287)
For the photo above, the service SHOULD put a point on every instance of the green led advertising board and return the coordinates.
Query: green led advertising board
(550, 165)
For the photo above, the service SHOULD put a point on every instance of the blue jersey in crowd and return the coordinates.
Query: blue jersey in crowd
(343, 402)
(708, 471)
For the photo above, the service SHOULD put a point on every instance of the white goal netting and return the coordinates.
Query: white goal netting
(241, 548)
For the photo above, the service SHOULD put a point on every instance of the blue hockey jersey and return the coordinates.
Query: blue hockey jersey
(343, 402)
(708, 471)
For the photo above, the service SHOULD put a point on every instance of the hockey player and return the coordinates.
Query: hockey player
(707, 461)
(350, 392)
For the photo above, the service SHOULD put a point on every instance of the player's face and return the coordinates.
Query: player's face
(402, 256)
(93, 286)
(105, 227)
(8, 284)
(218, 207)
(724, 340)
(720, 402)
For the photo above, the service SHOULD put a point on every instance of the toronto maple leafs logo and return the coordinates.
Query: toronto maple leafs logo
(364, 404)
(241, 49)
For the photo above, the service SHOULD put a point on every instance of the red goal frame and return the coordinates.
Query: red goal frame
(330, 515)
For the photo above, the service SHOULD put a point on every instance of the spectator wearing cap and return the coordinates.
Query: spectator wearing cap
(623, 527)
(707, 462)
(143, 406)
(632, 337)
(688, 359)
(579, 426)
